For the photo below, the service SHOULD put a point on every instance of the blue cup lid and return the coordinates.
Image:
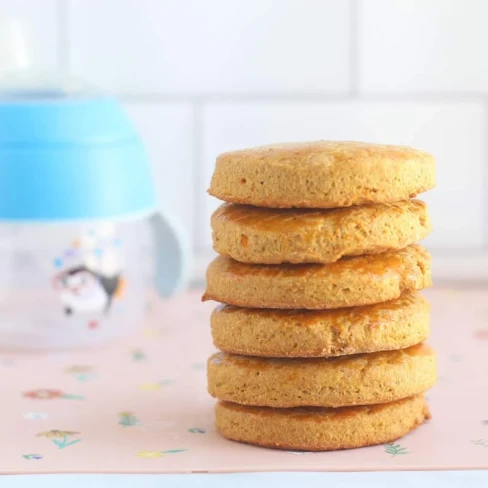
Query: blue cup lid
(71, 157)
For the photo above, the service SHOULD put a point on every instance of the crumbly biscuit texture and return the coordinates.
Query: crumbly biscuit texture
(396, 324)
(348, 282)
(321, 429)
(274, 236)
(322, 174)
(362, 379)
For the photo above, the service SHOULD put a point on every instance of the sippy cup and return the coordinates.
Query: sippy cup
(81, 233)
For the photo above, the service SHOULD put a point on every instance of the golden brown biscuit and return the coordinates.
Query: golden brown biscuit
(321, 429)
(274, 236)
(346, 283)
(322, 174)
(396, 324)
(362, 379)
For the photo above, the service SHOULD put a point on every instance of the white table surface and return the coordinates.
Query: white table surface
(427, 479)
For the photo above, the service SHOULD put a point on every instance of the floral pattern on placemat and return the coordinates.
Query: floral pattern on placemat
(61, 438)
(49, 394)
(128, 419)
(141, 405)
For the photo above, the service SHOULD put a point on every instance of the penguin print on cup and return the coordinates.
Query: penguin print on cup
(90, 272)
(82, 290)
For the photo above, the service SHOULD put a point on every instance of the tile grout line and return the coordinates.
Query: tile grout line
(63, 55)
(197, 129)
(354, 48)
(233, 97)
(484, 158)
(239, 98)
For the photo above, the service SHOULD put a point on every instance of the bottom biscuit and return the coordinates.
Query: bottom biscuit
(320, 429)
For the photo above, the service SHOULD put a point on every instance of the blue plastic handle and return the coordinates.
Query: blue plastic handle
(172, 254)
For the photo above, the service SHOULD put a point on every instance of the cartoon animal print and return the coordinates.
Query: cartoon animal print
(82, 290)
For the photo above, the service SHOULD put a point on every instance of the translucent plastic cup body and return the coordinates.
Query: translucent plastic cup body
(65, 285)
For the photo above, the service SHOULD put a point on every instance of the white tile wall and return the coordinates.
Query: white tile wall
(168, 134)
(423, 46)
(212, 46)
(200, 77)
(41, 18)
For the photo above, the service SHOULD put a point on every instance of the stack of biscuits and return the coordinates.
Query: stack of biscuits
(321, 325)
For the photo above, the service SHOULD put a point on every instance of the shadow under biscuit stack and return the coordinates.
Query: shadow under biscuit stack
(321, 325)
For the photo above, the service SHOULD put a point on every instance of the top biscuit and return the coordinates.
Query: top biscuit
(322, 174)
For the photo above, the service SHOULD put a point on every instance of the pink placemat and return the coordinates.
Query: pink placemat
(141, 406)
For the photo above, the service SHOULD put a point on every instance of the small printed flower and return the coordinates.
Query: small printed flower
(64, 442)
(127, 419)
(154, 386)
(47, 394)
(150, 386)
(395, 449)
(57, 433)
(196, 430)
(43, 394)
(60, 437)
(84, 376)
(36, 415)
(149, 454)
(32, 456)
(138, 355)
(81, 373)
(198, 366)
